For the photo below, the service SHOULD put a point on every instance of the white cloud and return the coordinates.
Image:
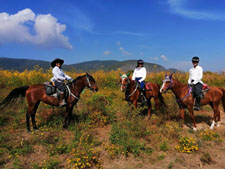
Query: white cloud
(163, 57)
(107, 53)
(118, 43)
(181, 65)
(131, 33)
(178, 7)
(26, 27)
(154, 58)
(124, 51)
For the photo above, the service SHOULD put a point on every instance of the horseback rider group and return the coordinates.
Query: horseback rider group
(139, 75)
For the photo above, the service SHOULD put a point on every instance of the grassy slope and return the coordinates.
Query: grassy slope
(100, 120)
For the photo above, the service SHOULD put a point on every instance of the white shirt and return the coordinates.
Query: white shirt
(59, 75)
(195, 74)
(139, 72)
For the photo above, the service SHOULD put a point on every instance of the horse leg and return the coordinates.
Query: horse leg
(33, 115)
(156, 100)
(190, 108)
(28, 115)
(149, 109)
(182, 116)
(68, 116)
(216, 116)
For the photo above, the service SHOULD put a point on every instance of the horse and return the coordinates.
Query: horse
(37, 93)
(184, 98)
(132, 93)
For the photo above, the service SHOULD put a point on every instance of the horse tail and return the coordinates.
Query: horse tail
(14, 95)
(223, 98)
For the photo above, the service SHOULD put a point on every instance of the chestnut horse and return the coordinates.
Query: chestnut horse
(37, 93)
(132, 93)
(184, 98)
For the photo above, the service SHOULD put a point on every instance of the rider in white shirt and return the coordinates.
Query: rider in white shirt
(195, 79)
(58, 78)
(139, 75)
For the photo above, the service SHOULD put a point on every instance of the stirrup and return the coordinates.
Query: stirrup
(63, 103)
(197, 108)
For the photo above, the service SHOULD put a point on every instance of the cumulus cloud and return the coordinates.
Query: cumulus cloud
(27, 27)
(124, 51)
(107, 53)
(163, 57)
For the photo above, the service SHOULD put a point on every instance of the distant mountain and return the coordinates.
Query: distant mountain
(106, 65)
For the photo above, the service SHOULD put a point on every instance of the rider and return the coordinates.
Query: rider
(139, 75)
(58, 78)
(195, 79)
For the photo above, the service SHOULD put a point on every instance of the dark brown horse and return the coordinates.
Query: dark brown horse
(132, 93)
(184, 98)
(37, 93)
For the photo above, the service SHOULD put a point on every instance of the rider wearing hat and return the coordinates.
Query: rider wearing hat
(58, 78)
(139, 75)
(195, 79)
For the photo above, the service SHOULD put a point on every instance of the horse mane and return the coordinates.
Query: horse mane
(180, 83)
(79, 77)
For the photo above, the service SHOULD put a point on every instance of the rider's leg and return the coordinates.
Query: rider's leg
(62, 88)
(198, 93)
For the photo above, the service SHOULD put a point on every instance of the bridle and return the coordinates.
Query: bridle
(170, 85)
(89, 87)
(127, 84)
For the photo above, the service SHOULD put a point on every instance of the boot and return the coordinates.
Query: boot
(62, 101)
(197, 103)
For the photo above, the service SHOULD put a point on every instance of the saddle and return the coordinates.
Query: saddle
(53, 91)
(148, 86)
(205, 88)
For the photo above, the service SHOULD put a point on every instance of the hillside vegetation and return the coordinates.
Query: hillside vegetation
(106, 132)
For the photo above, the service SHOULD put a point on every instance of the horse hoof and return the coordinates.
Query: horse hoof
(35, 128)
(28, 130)
(218, 124)
(64, 126)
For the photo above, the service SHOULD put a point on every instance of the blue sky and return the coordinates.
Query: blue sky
(166, 32)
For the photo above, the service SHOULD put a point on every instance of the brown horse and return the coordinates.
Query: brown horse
(132, 93)
(185, 99)
(37, 93)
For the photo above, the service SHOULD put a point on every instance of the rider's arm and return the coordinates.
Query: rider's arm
(200, 74)
(67, 77)
(56, 73)
(190, 78)
(134, 75)
(143, 74)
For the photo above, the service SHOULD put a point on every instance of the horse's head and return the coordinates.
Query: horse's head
(167, 83)
(124, 81)
(90, 83)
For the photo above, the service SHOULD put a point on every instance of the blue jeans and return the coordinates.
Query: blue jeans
(142, 84)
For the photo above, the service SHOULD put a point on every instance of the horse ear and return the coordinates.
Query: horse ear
(128, 74)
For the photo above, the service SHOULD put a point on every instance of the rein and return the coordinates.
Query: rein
(133, 91)
(77, 97)
(70, 93)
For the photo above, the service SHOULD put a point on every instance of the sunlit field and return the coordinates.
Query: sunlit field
(107, 132)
